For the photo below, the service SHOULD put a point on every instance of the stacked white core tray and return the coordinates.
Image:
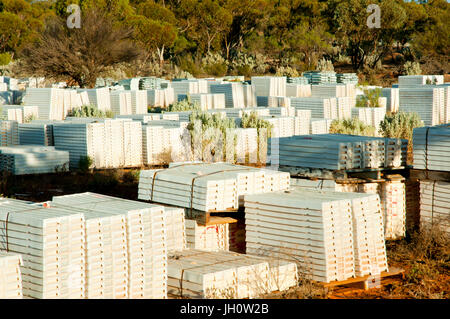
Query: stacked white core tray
(316, 232)
(52, 244)
(333, 235)
(434, 205)
(9, 133)
(146, 240)
(139, 102)
(20, 160)
(36, 134)
(208, 187)
(431, 148)
(234, 93)
(121, 102)
(329, 90)
(161, 97)
(269, 85)
(419, 80)
(298, 90)
(175, 228)
(344, 151)
(219, 275)
(207, 237)
(112, 143)
(392, 99)
(428, 102)
(320, 107)
(99, 97)
(10, 276)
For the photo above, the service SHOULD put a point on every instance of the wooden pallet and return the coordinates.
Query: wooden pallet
(422, 174)
(366, 174)
(208, 218)
(366, 282)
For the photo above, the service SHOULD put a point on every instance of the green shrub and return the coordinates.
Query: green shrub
(5, 58)
(351, 126)
(400, 125)
(184, 105)
(325, 65)
(85, 163)
(371, 98)
(90, 111)
(412, 68)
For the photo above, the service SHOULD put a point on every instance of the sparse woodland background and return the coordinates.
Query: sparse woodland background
(182, 38)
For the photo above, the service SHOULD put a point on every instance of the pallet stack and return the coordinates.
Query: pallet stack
(208, 187)
(213, 237)
(328, 90)
(98, 97)
(219, 275)
(111, 143)
(301, 228)
(9, 133)
(139, 102)
(269, 85)
(431, 150)
(317, 77)
(10, 276)
(161, 97)
(12, 113)
(428, 102)
(175, 228)
(434, 205)
(121, 102)
(392, 99)
(233, 91)
(321, 108)
(419, 80)
(146, 239)
(22, 160)
(298, 90)
(52, 244)
(36, 134)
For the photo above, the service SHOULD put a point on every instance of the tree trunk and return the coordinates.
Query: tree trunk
(161, 56)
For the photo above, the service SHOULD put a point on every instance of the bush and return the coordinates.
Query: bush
(5, 58)
(287, 71)
(184, 105)
(412, 68)
(371, 98)
(325, 65)
(215, 64)
(353, 127)
(85, 163)
(90, 111)
(400, 125)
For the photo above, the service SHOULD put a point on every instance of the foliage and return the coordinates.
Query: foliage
(215, 64)
(78, 54)
(253, 121)
(89, 111)
(351, 126)
(325, 65)
(29, 118)
(85, 163)
(184, 105)
(371, 98)
(5, 58)
(412, 68)
(400, 125)
(287, 71)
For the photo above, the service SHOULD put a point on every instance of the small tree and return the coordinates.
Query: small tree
(371, 98)
(80, 54)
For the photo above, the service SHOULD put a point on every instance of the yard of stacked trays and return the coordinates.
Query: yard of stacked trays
(434, 205)
(10, 276)
(334, 236)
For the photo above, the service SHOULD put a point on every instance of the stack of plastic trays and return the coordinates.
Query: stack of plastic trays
(52, 244)
(10, 276)
(146, 238)
(9, 133)
(209, 237)
(434, 203)
(175, 228)
(393, 198)
(152, 145)
(302, 228)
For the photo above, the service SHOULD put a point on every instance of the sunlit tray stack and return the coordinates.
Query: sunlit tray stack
(221, 275)
(10, 276)
(146, 239)
(53, 248)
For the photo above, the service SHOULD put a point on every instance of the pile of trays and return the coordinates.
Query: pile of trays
(9, 133)
(317, 77)
(269, 85)
(434, 205)
(329, 90)
(351, 78)
(10, 276)
(22, 160)
(160, 97)
(428, 102)
(219, 275)
(121, 102)
(304, 228)
(233, 91)
(99, 97)
(431, 148)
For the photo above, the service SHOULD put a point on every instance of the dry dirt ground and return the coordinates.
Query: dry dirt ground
(424, 257)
